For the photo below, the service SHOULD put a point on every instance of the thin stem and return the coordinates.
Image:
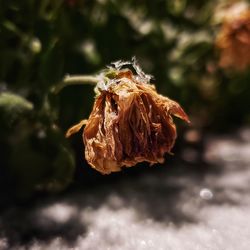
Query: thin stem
(75, 80)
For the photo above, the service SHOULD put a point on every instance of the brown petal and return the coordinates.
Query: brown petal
(74, 129)
(130, 123)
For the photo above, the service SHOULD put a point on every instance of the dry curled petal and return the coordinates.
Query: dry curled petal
(129, 123)
(234, 42)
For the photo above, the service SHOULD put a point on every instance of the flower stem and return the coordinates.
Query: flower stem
(75, 80)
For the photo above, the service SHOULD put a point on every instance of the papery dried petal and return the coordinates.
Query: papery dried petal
(129, 123)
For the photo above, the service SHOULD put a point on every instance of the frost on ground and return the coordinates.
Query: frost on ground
(181, 208)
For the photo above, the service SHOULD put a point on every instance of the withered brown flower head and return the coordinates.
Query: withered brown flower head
(129, 123)
(234, 42)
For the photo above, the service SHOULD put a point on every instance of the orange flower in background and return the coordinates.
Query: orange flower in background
(129, 123)
(234, 42)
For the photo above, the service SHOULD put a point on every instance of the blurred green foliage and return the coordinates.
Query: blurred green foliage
(41, 41)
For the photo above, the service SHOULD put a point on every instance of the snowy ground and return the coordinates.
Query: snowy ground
(181, 208)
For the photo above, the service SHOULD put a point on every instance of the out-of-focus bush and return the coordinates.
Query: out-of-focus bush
(41, 41)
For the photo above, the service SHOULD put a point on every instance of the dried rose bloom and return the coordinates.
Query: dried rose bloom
(129, 123)
(234, 42)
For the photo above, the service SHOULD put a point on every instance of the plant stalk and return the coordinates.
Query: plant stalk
(75, 80)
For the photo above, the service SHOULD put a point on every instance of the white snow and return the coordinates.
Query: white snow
(203, 209)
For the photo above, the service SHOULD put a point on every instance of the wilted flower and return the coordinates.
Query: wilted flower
(234, 42)
(129, 123)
